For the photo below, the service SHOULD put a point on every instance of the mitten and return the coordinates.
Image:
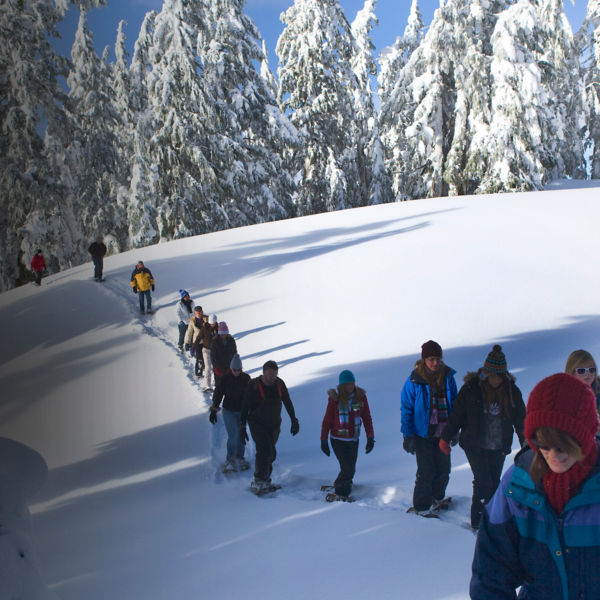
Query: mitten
(243, 433)
(444, 446)
(295, 428)
(187, 347)
(152, 287)
(410, 444)
(193, 351)
(370, 444)
(134, 290)
(212, 417)
(325, 448)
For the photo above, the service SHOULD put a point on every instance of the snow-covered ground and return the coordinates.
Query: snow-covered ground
(134, 505)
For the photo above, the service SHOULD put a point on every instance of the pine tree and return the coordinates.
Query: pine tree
(316, 83)
(589, 44)
(373, 180)
(247, 134)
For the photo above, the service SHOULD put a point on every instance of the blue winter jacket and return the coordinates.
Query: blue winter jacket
(523, 542)
(415, 407)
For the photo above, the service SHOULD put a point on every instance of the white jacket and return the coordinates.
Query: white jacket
(182, 311)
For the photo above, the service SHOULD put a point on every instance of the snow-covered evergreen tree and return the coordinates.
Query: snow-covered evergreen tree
(247, 134)
(32, 210)
(92, 155)
(316, 87)
(590, 51)
(373, 180)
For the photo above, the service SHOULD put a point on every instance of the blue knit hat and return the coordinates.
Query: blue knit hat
(346, 377)
(183, 293)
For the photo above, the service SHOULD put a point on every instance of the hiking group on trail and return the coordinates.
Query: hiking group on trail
(538, 526)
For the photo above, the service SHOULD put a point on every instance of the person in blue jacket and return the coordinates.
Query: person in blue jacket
(426, 403)
(541, 530)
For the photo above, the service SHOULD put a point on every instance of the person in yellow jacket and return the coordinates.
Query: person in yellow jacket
(142, 282)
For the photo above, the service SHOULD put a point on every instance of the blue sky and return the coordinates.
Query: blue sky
(392, 16)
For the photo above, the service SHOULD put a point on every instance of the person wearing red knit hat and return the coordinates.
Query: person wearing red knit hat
(541, 530)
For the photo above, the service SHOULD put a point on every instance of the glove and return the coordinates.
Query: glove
(152, 287)
(370, 444)
(212, 417)
(193, 351)
(243, 433)
(410, 444)
(325, 448)
(187, 347)
(134, 290)
(444, 446)
(454, 440)
(295, 428)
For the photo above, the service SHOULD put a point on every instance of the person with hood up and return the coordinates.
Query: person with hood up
(347, 410)
(489, 406)
(541, 530)
(426, 403)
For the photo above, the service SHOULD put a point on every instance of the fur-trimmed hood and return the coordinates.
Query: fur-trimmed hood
(334, 394)
(471, 375)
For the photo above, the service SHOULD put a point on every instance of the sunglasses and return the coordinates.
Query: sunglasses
(584, 370)
(545, 448)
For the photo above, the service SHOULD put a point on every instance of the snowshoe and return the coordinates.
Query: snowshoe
(427, 514)
(243, 464)
(443, 504)
(149, 311)
(229, 467)
(327, 488)
(333, 497)
(263, 488)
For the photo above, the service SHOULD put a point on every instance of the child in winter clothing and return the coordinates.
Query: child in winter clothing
(488, 407)
(38, 266)
(184, 314)
(347, 409)
(426, 404)
(541, 530)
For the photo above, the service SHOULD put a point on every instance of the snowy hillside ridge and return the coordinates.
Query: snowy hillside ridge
(193, 133)
(135, 504)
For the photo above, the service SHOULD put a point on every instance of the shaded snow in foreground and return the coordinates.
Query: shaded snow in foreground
(134, 505)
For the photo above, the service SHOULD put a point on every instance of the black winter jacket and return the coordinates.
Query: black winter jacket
(262, 403)
(467, 412)
(221, 353)
(231, 390)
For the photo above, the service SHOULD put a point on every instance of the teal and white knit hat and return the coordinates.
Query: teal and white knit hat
(495, 361)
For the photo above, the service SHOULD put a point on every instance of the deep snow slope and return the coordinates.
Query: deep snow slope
(135, 505)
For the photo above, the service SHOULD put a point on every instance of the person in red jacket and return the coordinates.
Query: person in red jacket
(347, 409)
(38, 266)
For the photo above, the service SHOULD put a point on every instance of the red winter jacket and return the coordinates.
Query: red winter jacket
(348, 427)
(38, 263)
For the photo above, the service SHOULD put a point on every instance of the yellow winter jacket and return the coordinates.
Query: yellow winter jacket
(142, 279)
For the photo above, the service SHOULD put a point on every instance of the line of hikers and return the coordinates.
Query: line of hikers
(547, 506)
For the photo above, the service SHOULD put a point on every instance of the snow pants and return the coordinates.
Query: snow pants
(346, 453)
(487, 469)
(182, 329)
(265, 437)
(433, 472)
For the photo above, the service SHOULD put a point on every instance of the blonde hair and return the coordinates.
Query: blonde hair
(578, 358)
(554, 438)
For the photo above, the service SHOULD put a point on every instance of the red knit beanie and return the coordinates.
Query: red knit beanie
(563, 402)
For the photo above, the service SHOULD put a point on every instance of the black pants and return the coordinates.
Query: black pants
(265, 437)
(487, 469)
(346, 453)
(199, 368)
(433, 473)
(38, 277)
(98, 265)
